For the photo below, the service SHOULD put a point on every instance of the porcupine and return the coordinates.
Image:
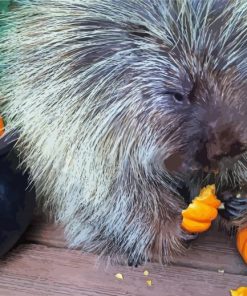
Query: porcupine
(120, 104)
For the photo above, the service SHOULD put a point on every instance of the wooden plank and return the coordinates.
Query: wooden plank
(46, 234)
(212, 251)
(40, 270)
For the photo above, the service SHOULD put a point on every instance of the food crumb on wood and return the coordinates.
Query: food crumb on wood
(149, 283)
(119, 276)
(221, 271)
(146, 272)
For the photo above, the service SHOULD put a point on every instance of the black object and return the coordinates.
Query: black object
(17, 201)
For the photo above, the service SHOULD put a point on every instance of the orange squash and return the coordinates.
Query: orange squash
(195, 226)
(242, 291)
(1, 126)
(202, 211)
(242, 243)
(207, 196)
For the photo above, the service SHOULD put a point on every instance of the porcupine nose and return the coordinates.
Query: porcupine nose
(220, 149)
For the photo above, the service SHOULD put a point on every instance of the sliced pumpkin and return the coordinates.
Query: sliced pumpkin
(207, 196)
(195, 226)
(242, 291)
(242, 243)
(202, 211)
(1, 126)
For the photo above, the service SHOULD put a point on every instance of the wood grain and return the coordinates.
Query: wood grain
(46, 234)
(213, 250)
(40, 270)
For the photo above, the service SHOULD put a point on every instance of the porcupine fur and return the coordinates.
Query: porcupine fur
(94, 89)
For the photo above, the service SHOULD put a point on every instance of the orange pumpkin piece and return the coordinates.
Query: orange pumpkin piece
(207, 196)
(1, 126)
(195, 226)
(242, 243)
(202, 211)
(242, 291)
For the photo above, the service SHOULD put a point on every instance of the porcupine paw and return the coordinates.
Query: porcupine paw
(136, 262)
(188, 242)
(235, 207)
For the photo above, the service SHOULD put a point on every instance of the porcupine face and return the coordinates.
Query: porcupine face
(209, 92)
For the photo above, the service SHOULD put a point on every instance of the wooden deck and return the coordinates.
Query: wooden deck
(42, 265)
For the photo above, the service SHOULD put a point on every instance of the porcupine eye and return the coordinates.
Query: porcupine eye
(178, 97)
(187, 98)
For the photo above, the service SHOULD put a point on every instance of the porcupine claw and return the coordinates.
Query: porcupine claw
(234, 208)
(135, 263)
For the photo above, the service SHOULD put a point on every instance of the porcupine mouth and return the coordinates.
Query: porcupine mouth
(192, 175)
(225, 179)
(198, 179)
(190, 187)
